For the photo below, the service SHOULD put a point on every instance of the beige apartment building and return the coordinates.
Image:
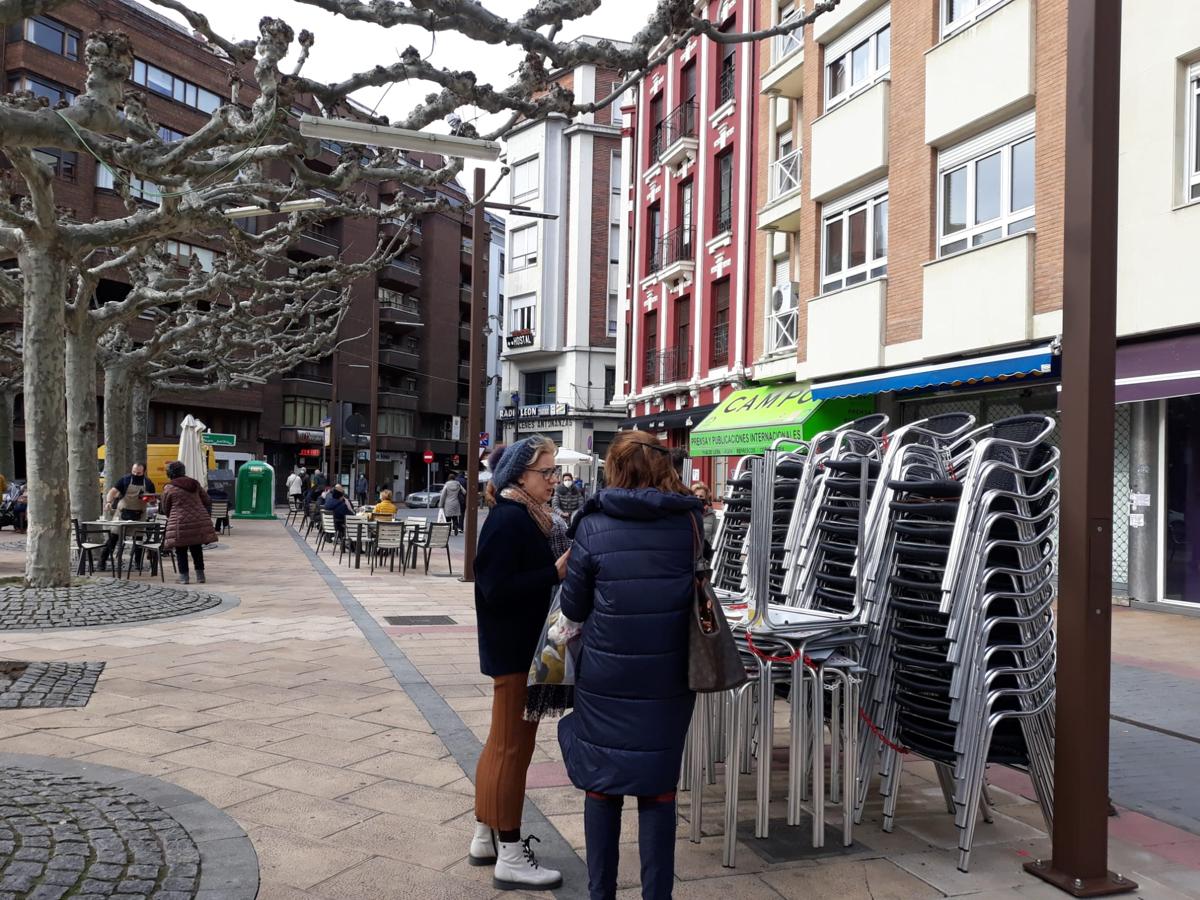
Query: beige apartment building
(910, 228)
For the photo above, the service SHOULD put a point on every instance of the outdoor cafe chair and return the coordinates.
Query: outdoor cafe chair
(389, 539)
(312, 516)
(435, 537)
(88, 539)
(220, 515)
(328, 533)
(146, 543)
(356, 539)
(295, 510)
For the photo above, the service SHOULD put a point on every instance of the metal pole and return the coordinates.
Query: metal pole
(373, 427)
(1079, 863)
(335, 461)
(475, 397)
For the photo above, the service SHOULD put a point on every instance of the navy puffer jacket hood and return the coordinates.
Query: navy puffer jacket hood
(630, 580)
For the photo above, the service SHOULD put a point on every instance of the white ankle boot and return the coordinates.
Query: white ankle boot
(483, 846)
(517, 869)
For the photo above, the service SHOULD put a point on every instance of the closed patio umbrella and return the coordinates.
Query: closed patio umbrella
(191, 449)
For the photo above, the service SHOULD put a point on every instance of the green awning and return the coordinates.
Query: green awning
(751, 420)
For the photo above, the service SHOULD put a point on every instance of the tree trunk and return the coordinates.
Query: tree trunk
(8, 456)
(118, 430)
(48, 561)
(140, 419)
(82, 424)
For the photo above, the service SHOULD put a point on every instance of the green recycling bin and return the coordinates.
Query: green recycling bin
(255, 491)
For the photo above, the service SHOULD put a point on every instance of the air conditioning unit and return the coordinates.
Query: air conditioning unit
(785, 297)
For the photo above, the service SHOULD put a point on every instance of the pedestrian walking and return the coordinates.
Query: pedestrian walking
(188, 509)
(295, 486)
(568, 497)
(700, 490)
(127, 497)
(453, 496)
(517, 567)
(630, 581)
(360, 490)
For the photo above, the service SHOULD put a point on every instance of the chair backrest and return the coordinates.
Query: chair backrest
(220, 509)
(151, 534)
(439, 535)
(390, 535)
(327, 523)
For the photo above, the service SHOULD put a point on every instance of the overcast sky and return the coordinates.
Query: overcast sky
(343, 47)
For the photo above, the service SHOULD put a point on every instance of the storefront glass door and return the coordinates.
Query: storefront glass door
(1181, 544)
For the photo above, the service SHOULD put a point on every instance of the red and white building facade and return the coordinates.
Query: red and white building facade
(685, 338)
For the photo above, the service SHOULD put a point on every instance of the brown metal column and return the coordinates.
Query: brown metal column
(475, 397)
(373, 427)
(334, 447)
(1079, 864)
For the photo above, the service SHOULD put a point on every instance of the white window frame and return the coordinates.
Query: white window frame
(522, 257)
(971, 12)
(1191, 167)
(521, 312)
(183, 253)
(842, 49)
(966, 157)
(869, 199)
(526, 176)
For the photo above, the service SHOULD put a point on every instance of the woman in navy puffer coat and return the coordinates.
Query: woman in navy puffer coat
(630, 581)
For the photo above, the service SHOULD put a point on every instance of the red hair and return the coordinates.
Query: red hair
(637, 459)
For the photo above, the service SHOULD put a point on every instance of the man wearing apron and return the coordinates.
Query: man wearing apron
(126, 497)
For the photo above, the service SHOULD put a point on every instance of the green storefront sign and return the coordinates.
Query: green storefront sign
(751, 420)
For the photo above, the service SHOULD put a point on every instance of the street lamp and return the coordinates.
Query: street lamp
(348, 131)
(288, 206)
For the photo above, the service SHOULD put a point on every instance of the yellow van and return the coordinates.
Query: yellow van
(157, 457)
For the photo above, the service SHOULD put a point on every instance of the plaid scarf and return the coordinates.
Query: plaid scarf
(554, 528)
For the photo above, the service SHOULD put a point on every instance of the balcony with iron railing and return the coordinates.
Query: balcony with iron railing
(667, 366)
(675, 136)
(398, 308)
(785, 76)
(402, 271)
(677, 256)
(720, 346)
(782, 210)
(781, 332)
(726, 85)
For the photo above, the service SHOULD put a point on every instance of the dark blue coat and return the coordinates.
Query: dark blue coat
(630, 580)
(514, 580)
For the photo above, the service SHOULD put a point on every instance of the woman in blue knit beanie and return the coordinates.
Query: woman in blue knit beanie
(522, 557)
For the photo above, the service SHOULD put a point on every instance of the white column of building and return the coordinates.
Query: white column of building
(626, 291)
(745, 58)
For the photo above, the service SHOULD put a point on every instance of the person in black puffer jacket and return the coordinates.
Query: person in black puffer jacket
(630, 580)
(567, 498)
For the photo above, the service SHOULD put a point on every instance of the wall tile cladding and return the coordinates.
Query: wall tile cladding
(603, 149)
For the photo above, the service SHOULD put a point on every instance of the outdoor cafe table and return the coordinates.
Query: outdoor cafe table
(122, 527)
(370, 526)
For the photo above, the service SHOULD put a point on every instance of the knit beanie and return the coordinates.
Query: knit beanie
(513, 461)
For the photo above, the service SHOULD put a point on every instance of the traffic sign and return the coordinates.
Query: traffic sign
(484, 439)
(219, 440)
(428, 457)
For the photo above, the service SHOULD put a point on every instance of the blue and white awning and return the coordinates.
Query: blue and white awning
(1034, 361)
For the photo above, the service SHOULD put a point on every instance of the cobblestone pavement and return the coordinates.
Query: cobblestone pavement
(62, 835)
(100, 601)
(342, 745)
(46, 684)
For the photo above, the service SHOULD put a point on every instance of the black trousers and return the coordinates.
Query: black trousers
(181, 555)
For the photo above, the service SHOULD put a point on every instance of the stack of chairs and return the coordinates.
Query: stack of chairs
(959, 584)
(729, 542)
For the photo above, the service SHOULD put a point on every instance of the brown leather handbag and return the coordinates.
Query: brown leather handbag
(714, 664)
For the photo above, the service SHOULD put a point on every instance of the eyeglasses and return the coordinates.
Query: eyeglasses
(549, 473)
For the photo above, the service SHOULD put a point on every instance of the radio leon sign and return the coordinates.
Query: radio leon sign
(541, 411)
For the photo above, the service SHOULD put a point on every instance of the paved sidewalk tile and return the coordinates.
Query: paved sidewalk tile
(283, 711)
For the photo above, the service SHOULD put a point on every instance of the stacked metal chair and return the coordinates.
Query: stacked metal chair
(729, 542)
(795, 627)
(959, 582)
